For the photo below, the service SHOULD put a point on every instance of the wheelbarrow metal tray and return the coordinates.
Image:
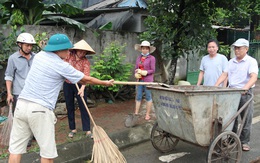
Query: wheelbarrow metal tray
(188, 112)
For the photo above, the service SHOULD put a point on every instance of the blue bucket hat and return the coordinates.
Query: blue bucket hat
(58, 42)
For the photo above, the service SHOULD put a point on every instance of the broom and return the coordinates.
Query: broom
(104, 149)
(6, 130)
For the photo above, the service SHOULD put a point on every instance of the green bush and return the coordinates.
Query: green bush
(41, 40)
(111, 65)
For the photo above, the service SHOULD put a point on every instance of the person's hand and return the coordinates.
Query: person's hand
(9, 99)
(138, 71)
(110, 82)
(81, 92)
(246, 90)
(138, 76)
(143, 72)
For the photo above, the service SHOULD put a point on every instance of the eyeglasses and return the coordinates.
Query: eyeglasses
(239, 47)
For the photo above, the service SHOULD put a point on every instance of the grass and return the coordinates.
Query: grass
(4, 152)
(34, 148)
(4, 155)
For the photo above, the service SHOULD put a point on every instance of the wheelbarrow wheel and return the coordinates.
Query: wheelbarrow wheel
(162, 140)
(226, 147)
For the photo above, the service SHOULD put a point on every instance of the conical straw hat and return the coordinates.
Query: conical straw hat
(83, 45)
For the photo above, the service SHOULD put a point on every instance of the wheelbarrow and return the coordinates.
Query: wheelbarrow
(200, 115)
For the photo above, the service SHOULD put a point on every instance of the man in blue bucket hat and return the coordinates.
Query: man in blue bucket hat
(34, 110)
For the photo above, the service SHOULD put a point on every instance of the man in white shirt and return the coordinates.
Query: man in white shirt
(242, 72)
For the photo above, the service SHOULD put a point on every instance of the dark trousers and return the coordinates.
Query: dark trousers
(246, 131)
(15, 97)
(70, 92)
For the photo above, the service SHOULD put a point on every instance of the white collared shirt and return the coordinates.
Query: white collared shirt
(239, 72)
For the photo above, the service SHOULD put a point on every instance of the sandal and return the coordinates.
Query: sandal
(71, 134)
(89, 135)
(147, 117)
(245, 147)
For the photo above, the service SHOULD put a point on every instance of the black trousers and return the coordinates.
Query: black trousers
(70, 92)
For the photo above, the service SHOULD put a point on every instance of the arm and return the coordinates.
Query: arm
(91, 80)
(225, 64)
(9, 97)
(9, 76)
(149, 67)
(201, 74)
(81, 90)
(86, 71)
(225, 83)
(222, 78)
(137, 62)
(152, 66)
(251, 82)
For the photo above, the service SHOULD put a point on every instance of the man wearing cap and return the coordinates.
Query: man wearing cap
(18, 67)
(242, 71)
(77, 59)
(35, 105)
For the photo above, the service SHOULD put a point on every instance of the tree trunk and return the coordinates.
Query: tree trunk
(172, 71)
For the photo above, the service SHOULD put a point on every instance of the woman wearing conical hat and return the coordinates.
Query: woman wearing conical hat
(77, 58)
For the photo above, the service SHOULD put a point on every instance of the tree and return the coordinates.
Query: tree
(178, 26)
(33, 12)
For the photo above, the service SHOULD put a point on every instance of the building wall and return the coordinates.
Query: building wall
(98, 40)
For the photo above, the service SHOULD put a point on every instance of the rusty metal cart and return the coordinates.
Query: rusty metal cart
(200, 115)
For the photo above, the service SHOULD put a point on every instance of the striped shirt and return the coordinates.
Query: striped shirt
(46, 77)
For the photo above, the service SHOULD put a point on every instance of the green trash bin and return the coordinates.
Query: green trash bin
(192, 77)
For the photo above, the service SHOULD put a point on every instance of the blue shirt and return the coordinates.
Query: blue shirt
(46, 77)
(239, 72)
(17, 70)
(213, 68)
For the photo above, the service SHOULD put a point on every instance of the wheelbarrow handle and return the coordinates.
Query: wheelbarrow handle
(242, 108)
(141, 83)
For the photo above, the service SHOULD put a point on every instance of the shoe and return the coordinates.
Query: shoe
(147, 117)
(71, 134)
(245, 147)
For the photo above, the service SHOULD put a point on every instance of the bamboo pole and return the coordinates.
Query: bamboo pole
(141, 83)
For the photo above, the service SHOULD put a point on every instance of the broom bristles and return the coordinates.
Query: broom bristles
(6, 130)
(104, 149)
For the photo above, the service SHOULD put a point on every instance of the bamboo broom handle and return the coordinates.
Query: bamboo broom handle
(135, 83)
(142, 83)
(84, 102)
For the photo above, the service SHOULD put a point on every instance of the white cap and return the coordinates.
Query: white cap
(144, 43)
(241, 42)
(26, 38)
